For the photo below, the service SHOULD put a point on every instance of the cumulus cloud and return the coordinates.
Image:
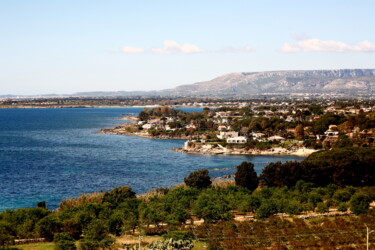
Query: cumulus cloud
(316, 45)
(172, 47)
(128, 49)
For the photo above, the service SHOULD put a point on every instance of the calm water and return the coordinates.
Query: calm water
(52, 154)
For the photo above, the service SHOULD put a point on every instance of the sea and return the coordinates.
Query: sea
(55, 154)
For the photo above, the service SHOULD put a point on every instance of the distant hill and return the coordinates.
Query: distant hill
(296, 81)
(347, 81)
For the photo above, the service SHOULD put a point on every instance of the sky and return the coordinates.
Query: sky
(70, 46)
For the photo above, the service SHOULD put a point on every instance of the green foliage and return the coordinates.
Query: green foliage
(342, 207)
(321, 208)
(359, 203)
(6, 240)
(266, 209)
(341, 166)
(246, 176)
(198, 179)
(170, 244)
(211, 207)
(178, 235)
(64, 241)
(48, 226)
(118, 195)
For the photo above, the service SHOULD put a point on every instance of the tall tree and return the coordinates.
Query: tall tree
(246, 176)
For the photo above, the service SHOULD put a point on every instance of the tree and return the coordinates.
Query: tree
(299, 132)
(48, 226)
(359, 203)
(64, 241)
(118, 195)
(198, 179)
(246, 176)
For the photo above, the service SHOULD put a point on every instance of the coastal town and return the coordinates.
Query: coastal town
(258, 127)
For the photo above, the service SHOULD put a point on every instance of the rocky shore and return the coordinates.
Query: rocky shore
(129, 129)
(209, 149)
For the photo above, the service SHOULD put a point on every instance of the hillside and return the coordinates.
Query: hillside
(348, 81)
(302, 81)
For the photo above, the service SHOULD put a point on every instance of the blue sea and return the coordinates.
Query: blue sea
(53, 154)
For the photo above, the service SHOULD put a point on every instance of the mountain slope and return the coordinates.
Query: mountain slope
(301, 81)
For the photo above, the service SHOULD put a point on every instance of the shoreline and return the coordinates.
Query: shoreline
(204, 149)
(302, 152)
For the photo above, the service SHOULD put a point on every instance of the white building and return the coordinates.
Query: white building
(238, 139)
(276, 138)
(225, 135)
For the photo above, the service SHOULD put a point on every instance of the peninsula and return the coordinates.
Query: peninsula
(257, 128)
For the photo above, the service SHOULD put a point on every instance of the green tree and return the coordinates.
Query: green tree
(246, 176)
(64, 241)
(359, 203)
(48, 226)
(198, 179)
(118, 195)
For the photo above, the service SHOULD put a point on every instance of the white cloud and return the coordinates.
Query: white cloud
(316, 45)
(172, 47)
(128, 49)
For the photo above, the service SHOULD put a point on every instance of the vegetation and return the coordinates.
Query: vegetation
(291, 190)
(246, 176)
(198, 179)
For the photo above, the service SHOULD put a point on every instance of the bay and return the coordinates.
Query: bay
(53, 154)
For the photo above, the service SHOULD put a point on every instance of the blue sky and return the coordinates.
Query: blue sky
(71, 46)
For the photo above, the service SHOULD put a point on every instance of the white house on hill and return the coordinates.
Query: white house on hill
(238, 139)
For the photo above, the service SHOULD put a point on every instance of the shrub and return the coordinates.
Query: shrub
(198, 179)
(359, 203)
(171, 244)
(321, 208)
(118, 195)
(64, 241)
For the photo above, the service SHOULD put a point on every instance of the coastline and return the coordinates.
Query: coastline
(302, 152)
(203, 149)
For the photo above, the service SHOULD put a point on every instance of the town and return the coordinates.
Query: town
(259, 127)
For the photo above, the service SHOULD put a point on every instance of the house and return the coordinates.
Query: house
(276, 138)
(190, 127)
(148, 126)
(220, 128)
(332, 130)
(229, 134)
(289, 119)
(238, 139)
(257, 136)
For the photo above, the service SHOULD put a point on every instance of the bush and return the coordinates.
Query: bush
(64, 241)
(321, 208)
(266, 209)
(359, 203)
(171, 244)
(246, 176)
(342, 207)
(118, 195)
(198, 179)
(177, 235)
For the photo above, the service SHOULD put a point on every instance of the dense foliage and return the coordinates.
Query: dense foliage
(246, 176)
(340, 179)
(198, 179)
(341, 166)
